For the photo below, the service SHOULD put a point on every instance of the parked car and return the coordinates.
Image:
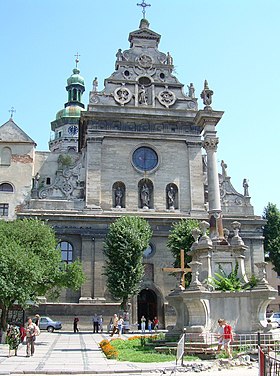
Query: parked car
(46, 323)
(275, 317)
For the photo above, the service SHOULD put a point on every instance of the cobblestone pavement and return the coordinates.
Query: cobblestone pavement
(68, 353)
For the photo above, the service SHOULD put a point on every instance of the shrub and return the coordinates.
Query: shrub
(109, 350)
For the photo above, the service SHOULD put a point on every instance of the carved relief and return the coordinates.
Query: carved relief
(210, 143)
(122, 95)
(67, 184)
(93, 97)
(166, 98)
(145, 61)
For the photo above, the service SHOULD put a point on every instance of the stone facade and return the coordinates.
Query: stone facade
(136, 150)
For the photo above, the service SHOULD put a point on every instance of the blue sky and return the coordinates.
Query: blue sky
(233, 44)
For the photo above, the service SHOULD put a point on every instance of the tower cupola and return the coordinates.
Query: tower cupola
(66, 124)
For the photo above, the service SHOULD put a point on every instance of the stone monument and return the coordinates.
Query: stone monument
(199, 306)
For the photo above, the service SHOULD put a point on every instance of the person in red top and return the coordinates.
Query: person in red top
(156, 323)
(228, 338)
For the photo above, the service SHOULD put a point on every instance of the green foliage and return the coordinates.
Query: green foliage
(30, 264)
(136, 351)
(253, 281)
(180, 237)
(225, 282)
(65, 160)
(231, 282)
(125, 243)
(272, 235)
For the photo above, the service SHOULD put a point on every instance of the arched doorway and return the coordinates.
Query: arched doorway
(147, 305)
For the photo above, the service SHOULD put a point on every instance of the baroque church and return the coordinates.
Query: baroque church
(140, 146)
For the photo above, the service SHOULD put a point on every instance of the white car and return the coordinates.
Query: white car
(275, 317)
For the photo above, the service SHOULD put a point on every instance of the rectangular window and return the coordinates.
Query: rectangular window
(4, 209)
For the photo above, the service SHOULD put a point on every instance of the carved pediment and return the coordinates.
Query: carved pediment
(144, 34)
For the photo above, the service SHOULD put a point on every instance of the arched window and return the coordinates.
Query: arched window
(6, 187)
(66, 252)
(118, 193)
(6, 156)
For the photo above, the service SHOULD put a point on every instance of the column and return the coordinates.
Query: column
(207, 120)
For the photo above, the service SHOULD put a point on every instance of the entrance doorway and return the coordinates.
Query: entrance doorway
(147, 305)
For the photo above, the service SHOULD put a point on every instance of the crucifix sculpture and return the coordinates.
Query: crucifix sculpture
(77, 59)
(181, 270)
(143, 5)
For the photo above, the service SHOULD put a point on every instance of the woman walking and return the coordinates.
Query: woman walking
(13, 338)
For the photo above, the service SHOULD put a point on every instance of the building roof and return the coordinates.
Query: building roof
(11, 132)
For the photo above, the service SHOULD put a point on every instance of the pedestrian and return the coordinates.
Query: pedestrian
(115, 324)
(228, 338)
(95, 323)
(37, 320)
(75, 324)
(22, 332)
(143, 324)
(155, 323)
(30, 337)
(13, 338)
(220, 334)
(120, 325)
(100, 323)
(150, 326)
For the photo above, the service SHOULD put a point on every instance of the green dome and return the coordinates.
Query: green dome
(75, 78)
(69, 111)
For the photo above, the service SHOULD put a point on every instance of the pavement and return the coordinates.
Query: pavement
(68, 353)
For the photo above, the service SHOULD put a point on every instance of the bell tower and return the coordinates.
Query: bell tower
(66, 124)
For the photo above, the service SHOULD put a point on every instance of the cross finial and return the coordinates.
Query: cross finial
(77, 59)
(12, 110)
(143, 5)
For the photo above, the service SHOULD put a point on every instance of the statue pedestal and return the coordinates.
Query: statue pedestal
(198, 311)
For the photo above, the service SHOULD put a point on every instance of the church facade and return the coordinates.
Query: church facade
(140, 148)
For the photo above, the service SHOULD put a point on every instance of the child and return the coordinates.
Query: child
(220, 334)
(228, 338)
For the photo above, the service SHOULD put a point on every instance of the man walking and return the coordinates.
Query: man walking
(95, 323)
(30, 337)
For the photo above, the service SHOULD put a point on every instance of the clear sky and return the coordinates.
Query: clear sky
(234, 44)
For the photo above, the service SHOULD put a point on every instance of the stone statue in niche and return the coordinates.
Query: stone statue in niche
(171, 197)
(246, 187)
(118, 197)
(36, 181)
(142, 95)
(145, 196)
(191, 90)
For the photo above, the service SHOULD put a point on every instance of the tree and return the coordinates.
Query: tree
(180, 237)
(125, 243)
(272, 235)
(30, 264)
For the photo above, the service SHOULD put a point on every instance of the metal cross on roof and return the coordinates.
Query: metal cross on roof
(12, 110)
(143, 5)
(77, 59)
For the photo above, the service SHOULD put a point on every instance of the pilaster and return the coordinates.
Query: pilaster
(87, 259)
(93, 178)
